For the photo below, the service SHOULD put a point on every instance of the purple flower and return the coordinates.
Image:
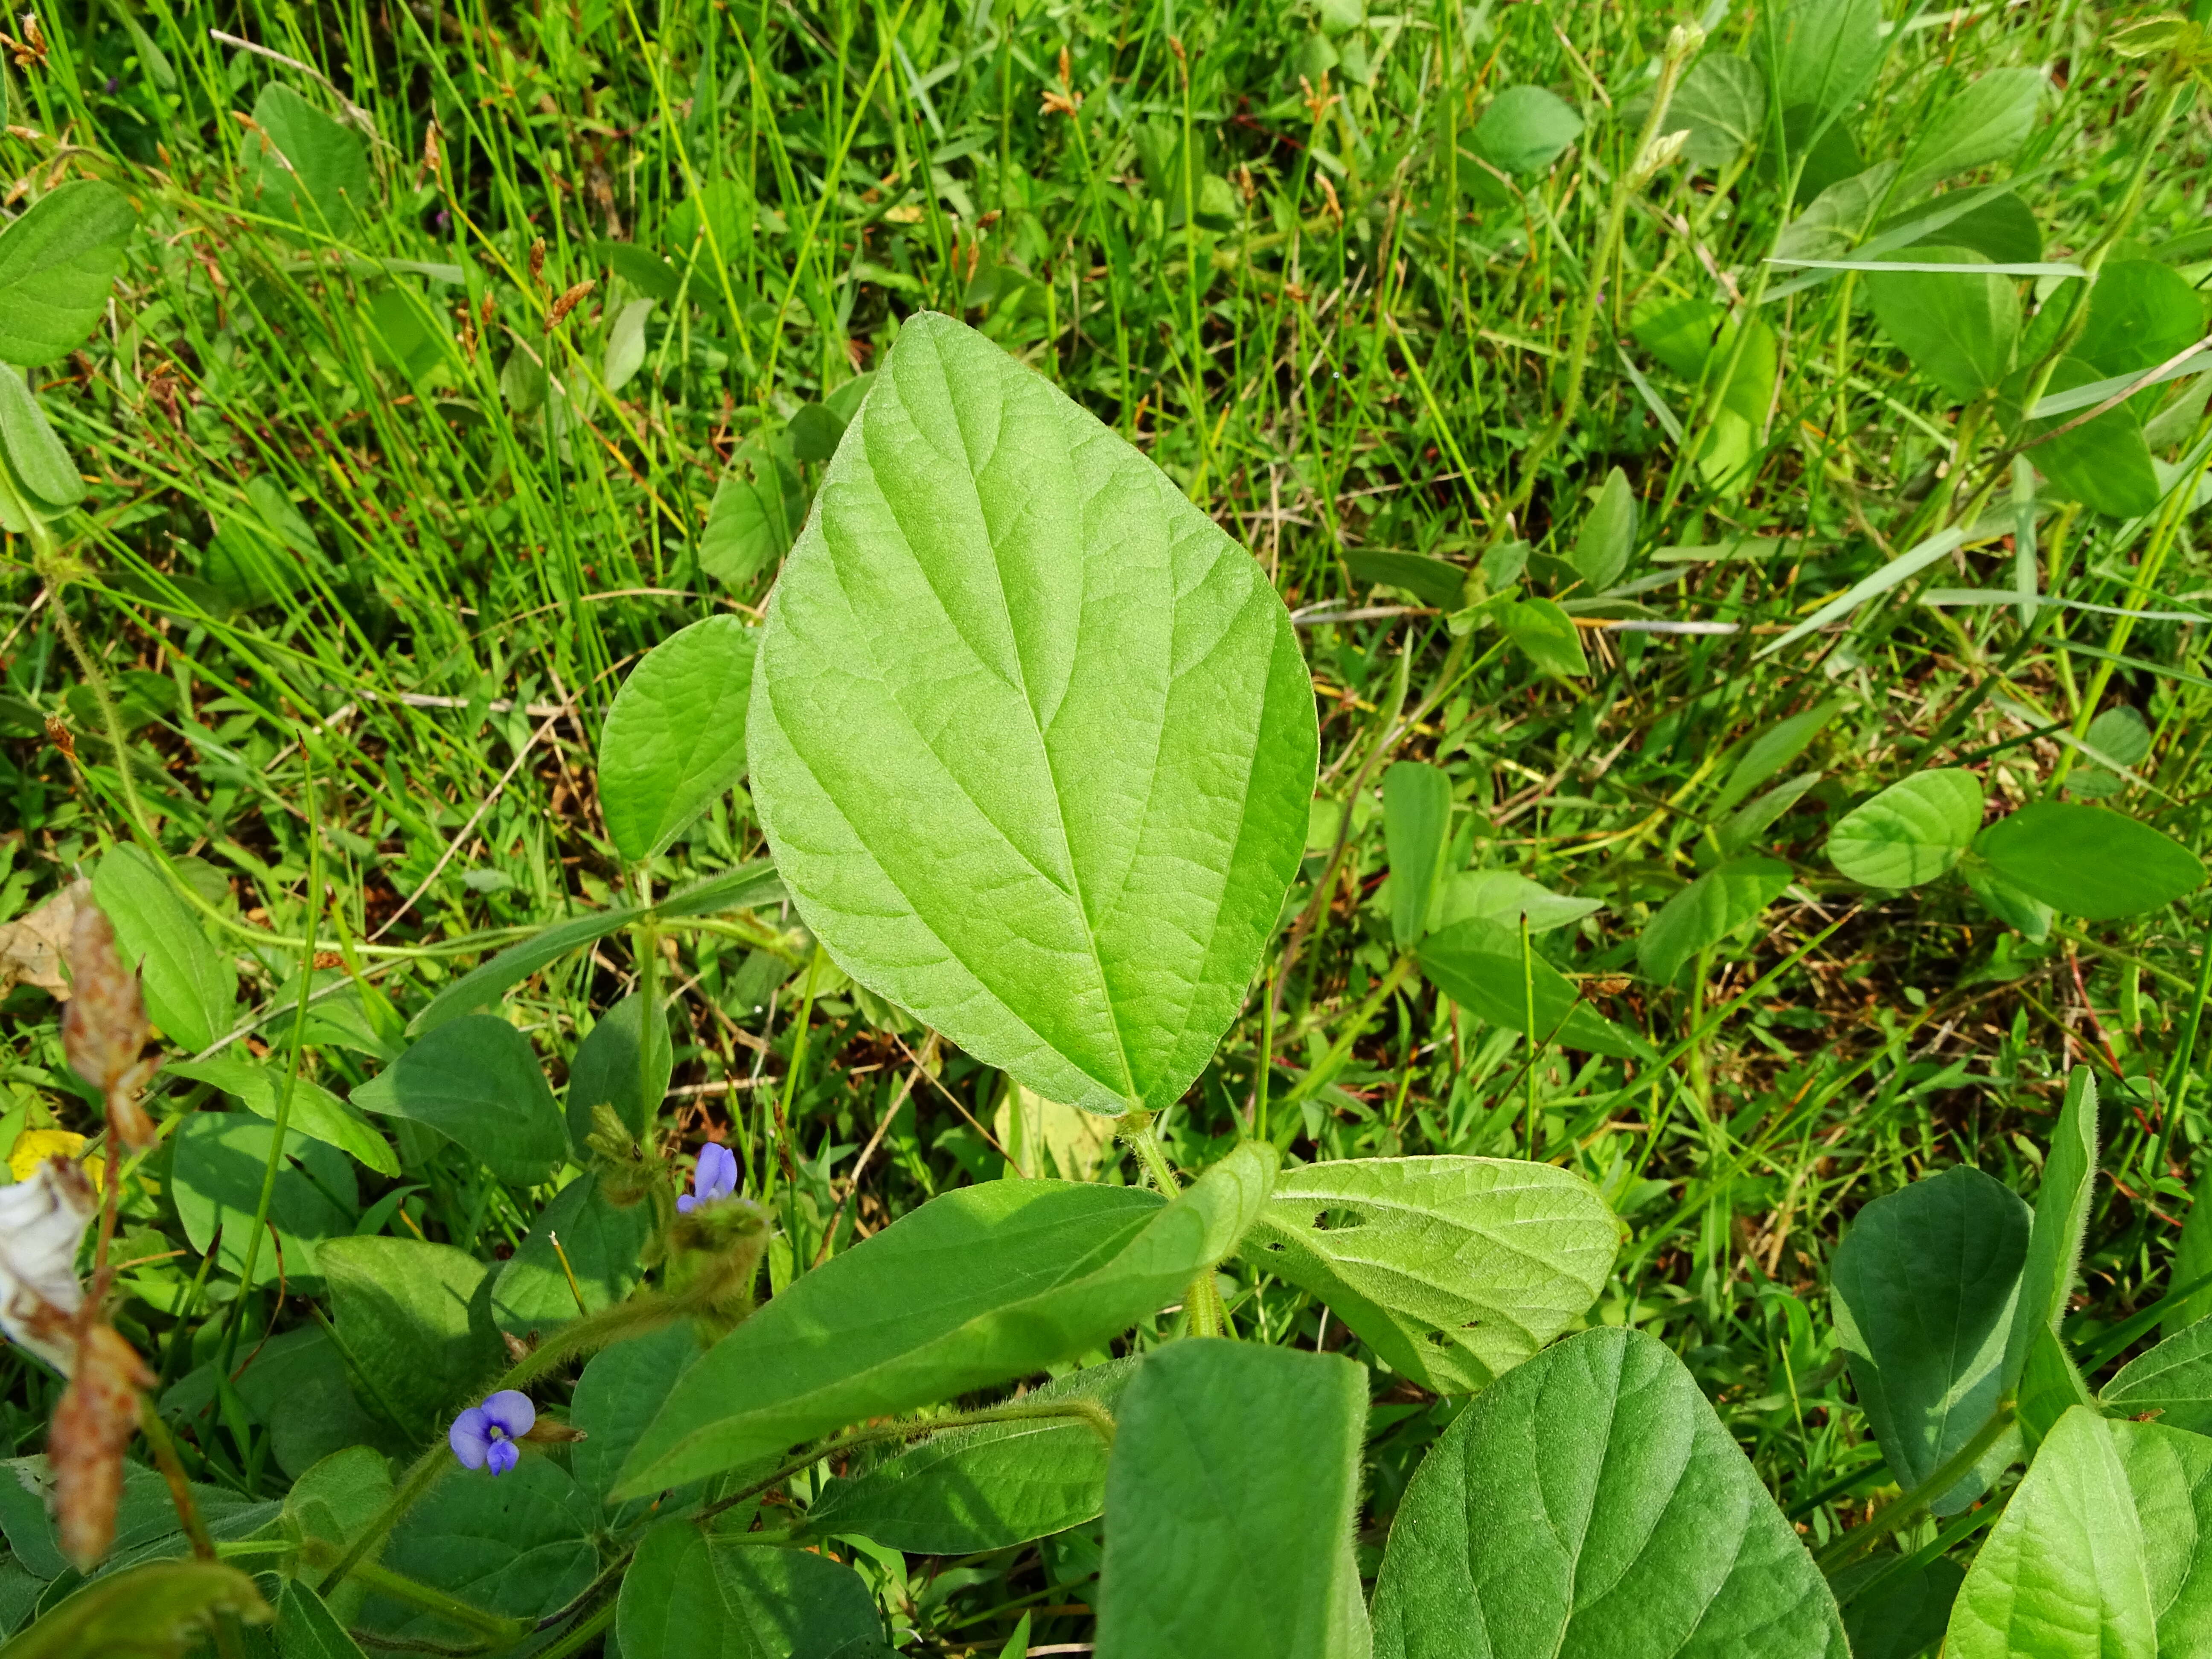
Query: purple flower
(485, 1435)
(714, 1176)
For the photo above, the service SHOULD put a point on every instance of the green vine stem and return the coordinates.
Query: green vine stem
(501, 1631)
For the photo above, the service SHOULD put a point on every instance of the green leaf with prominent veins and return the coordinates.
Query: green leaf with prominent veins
(979, 1285)
(1926, 1281)
(692, 1593)
(476, 1081)
(1590, 1504)
(2174, 1379)
(1453, 1269)
(2101, 1553)
(1911, 832)
(1230, 1499)
(57, 265)
(400, 1308)
(315, 1111)
(675, 739)
(191, 987)
(1031, 736)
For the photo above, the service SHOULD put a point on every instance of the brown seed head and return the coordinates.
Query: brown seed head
(104, 1029)
(537, 260)
(97, 1416)
(568, 303)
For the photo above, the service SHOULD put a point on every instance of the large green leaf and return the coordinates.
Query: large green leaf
(2174, 1379)
(1031, 736)
(1417, 831)
(476, 1081)
(294, 1382)
(756, 511)
(191, 989)
(1479, 965)
(979, 1285)
(601, 1241)
(1590, 1502)
(741, 889)
(1453, 1269)
(2099, 1553)
(605, 1071)
(989, 1487)
(674, 742)
(2193, 1258)
(1959, 327)
(1911, 832)
(215, 1178)
(400, 1308)
(1902, 1613)
(517, 1544)
(35, 457)
(1722, 105)
(57, 265)
(1926, 1281)
(1986, 122)
(1706, 912)
(692, 1593)
(2088, 861)
(620, 1392)
(2105, 464)
(306, 167)
(1231, 1498)
(1826, 53)
(162, 1610)
(2141, 313)
(2061, 1215)
(1525, 130)
(316, 1112)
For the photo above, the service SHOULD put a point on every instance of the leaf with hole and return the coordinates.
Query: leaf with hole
(1911, 832)
(674, 742)
(1453, 1270)
(2088, 861)
(976, 1287)
(57, 265)
(476, 1082)
(1417, 806)
(1230, 1501)
(2101, 1553)
(1926, 1283)
(989, 1487)
(1480, 965)
(1960, 328)
(1008, 656)
(1706, 912)
(1590, 1501)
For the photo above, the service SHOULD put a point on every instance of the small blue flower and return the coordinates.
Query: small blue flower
(716, 1176)
(485, 1435)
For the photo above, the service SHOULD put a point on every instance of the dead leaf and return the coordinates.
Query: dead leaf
(30, 946)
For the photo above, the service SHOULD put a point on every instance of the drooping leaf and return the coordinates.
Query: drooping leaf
(978, 1286)
(476, 1081)
(315, 1111)
(1722, 104)
(1525, 130)
(1501, 896)
(308, 168)
(1417, 803)
(1479, 963)
(620, 1392)
(1771, 749)
(1453, 1269)
(2099, 1553)
(1926, 1282)
(1987, 121)
(601, 1241)
(605, 1071)
(1546, 634)
(57, 265)
(692, 1593)
(1230, 1501)
(161, 1610)
(220, 1159)
(401, 1311)
(1008, 656)
(740, 888)
(517, 1544)
(1433, 582)
(2088, 861)
(2174, 1379)
(1591, 1502)
(1706, 912)
(1608, 536)
(1911, 832)
(674, 742)
(191, 990)
(989, 1487)
(1746, 827)
(1960, 328)
(2062, 1214)
(36, 460)
(755, 513)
